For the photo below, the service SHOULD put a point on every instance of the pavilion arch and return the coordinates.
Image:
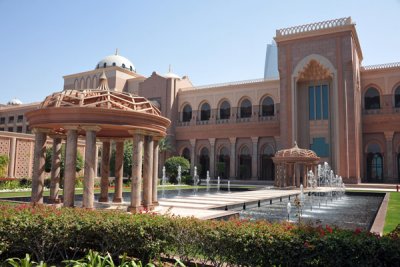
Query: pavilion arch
(320, 59)
(83, 85)
(88, 83)
(396, 95)
(76, 84)
(204, 110)
(94, 81)
(374, 141)
(244, 110)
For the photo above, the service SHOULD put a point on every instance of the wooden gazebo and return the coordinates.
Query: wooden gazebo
(292, 166)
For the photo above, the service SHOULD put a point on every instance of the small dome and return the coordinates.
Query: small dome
(296, 152)
(116, 60)
(170, 74)
(14, 102)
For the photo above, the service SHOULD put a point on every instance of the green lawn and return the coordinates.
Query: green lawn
(393, 213)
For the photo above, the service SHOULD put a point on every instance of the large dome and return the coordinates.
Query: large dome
(116, 60)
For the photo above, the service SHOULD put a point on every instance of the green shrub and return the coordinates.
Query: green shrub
(9, 184)
(3, 165)
(171, 168)
(187, 179)
(52, 235)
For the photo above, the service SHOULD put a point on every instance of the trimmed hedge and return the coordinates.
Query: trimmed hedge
(52, 234)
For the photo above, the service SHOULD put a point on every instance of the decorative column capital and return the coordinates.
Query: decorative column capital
(389, 135)
(71, 127)
(232, 140)
(254, 139)
(212, 141)
(192, 142)
(91, 128)
(40, 130)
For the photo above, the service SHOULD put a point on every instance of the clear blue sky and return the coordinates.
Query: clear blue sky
(211, 41)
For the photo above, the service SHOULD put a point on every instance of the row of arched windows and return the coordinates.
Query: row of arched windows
(88, 83)
(372, 98)
(224, 110)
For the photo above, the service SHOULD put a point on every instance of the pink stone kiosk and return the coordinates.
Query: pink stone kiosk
(104, 115)
(292, 164)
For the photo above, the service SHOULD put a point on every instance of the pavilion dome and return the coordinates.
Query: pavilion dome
(170, 74)
(14, 102)
(116, 60)
(296, 152)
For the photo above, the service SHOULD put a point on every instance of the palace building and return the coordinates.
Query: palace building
(315, 92)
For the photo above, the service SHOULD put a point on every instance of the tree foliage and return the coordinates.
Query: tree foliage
(171, 167)
(3, 165)
(49, 155)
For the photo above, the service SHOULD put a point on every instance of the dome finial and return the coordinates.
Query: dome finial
(169, 68)
(116, 51)
(103, 82)
(295, 144)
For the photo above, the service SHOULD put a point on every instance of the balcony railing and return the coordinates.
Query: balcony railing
(237, 120)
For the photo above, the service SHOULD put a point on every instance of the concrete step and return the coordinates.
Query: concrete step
(371, 185)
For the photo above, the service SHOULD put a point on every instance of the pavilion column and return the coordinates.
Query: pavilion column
(297, 169)
(96, 162)
(38, 166)
(155, 173)
(119, 171)
(254, 158)
(70, 166)
(105, 171)
(212, 157)
(148, 172)
(90, 167)
(55, 170)
(389, 156)
(232, 164)
(192, 155)
(136, 186)
(11, 165)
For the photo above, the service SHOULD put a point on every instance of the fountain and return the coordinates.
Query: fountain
(288, 208)
(208, 181)
(218, 184)
(195, 181)
(229, 186)
(179, 178)
(163, 182)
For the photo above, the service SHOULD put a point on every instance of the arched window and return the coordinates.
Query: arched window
(244, 163)
(123, 65)
(245, 109)
(204, 161)
(187, 113)
(104, 65)
(224, 110)
(94, 83)
(130, 68)
(372, 99)
(97, 66)
(267, 107)
(114, 64)
(83, 83)
(76, 84)
(267, 165)
(397, 97)
(186, 153)
(374, 163)
(205, 112)
(223, 164)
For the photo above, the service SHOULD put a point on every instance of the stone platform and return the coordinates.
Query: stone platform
(216, 205)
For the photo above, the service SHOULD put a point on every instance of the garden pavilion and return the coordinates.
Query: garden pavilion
(292, 164)
(98, 114)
